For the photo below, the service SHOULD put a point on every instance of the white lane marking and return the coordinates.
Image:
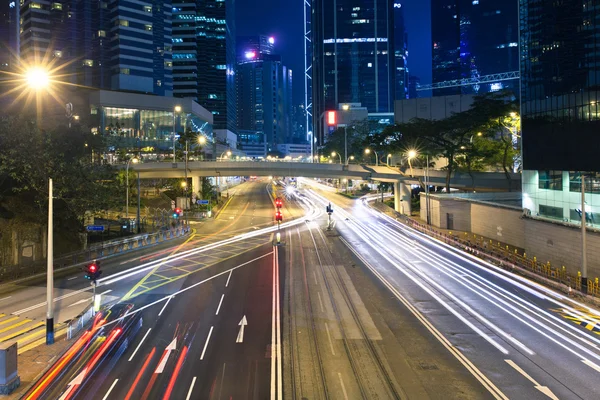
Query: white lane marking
(55, 300)
(315, 276)
(106, 292)
(6, 298)
(110, 389)
(228, 278)
(206, 344)
(343, 386)
(165, 306)
(321, 302)
(139, 345)
(273, 340)
(543, 389)
(279, 356)
(70, 279)
(329, 337)
(79, 302)
(220, 302)
(591, 364)
(189, 395)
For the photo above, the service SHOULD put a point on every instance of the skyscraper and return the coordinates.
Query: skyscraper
(9, 34)
(260, 44)
(264, 96)
(117, 45)
(401, 81)
(353, 56)
(473, 38)
(204, 56)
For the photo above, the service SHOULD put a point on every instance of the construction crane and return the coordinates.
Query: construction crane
(505, 76)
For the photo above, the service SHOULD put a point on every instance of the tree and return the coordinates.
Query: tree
(30, 156)
(194, 146)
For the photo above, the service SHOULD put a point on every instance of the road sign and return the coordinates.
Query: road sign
(202, 201)
(95, 228)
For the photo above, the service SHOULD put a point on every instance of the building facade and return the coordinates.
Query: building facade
(264, 96)
(560, 77)
(401, 81)
(353, 56)
(473, 38)
(9, 35)
(204, 56)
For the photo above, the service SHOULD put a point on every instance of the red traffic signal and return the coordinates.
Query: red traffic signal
(92, 271)
(278, 216)
(278, 202)
(178, 211)
(92, 268)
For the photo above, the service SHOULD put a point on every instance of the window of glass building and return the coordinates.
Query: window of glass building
(35, 5)
(123, 22)
(58, 53)
(57, 6)
(148, 9)
(120, 121)
(124, 71)
(88, 63)
(148, 27)
(592, 182)
(551, 180)
(551, 212)
(101, 33)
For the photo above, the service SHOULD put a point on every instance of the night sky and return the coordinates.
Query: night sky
(283, 19)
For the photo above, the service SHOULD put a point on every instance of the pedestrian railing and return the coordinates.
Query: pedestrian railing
(98, 251)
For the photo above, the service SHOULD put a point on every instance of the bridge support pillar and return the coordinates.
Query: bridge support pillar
(196, 185)
(402, 201)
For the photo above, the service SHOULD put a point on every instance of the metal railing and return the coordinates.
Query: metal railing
(99, 251)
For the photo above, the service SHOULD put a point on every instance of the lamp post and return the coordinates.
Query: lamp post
(368, 151)
(138, 205)
(176, 110)
(584, 279)
(50, 272)
(333, 154)
(228, 152)
(411, 154)
(387, 159)
(202, 142)
(134, 160)
(348, 159)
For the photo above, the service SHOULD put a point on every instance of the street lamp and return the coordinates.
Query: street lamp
(176, 111)
(37, 78)
(411, 154)
(333, 154)
(387, 159)
(368, 151)
(348, 159)
(133, 160)
(228, 152)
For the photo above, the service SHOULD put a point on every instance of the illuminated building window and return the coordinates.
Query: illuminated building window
(148, 27)
(148, 9)
(57, 6)
(124, 71)
(101, 33)
(123, 22)
(88, 63)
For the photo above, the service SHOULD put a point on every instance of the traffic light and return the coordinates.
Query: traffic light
(278, 216)
(278, 203)
(178, 212)
(92, 271)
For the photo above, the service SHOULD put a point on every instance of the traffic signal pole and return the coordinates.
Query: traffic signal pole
(50, 272)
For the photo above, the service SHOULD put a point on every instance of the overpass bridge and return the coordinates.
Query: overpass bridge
(481, 181)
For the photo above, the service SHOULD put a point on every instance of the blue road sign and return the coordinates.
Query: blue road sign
(202, 201)
(95, 228)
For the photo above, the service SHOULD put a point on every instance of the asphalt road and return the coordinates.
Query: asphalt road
(190, 308)
(518, 339)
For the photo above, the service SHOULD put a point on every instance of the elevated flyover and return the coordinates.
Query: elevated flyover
(401, 179)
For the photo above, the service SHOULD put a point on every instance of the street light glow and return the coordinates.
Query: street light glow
(367, 151)
(177, 109)
(333, 154)
(228, 153)
(412, 153)
(37, 78)
(201, 140)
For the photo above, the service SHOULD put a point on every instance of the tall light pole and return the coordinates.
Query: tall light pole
(387, 159)
(134, 160)
(345, 142)
(202, 142)
(50, 271)
(368, 151)
(176, 110)
(584, 279)
(138, 205)
(348, 159)
(411, 154)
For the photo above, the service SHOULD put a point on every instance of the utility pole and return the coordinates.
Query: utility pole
(138, 207)
(50, 271)
(346, 143)
(427, 190)
(584, 279)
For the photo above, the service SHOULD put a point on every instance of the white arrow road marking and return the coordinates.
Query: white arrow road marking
(163, 362)
(75, 382)
(80, 302)
(242, 324)
(544, 389)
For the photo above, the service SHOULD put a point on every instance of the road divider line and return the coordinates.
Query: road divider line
(591, 365)
(279, 355)
(343, 386)
(206, 343)
(70, 279)
(110, 389)
(139, 345)
(228, 278)
(55, 300)
(189, 393)
(165, 306)
(321, 302)
(329, 338)
(220, 302)
(544, 389)
(273, 355)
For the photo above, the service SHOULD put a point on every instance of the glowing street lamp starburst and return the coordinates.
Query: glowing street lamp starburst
(37, 78)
